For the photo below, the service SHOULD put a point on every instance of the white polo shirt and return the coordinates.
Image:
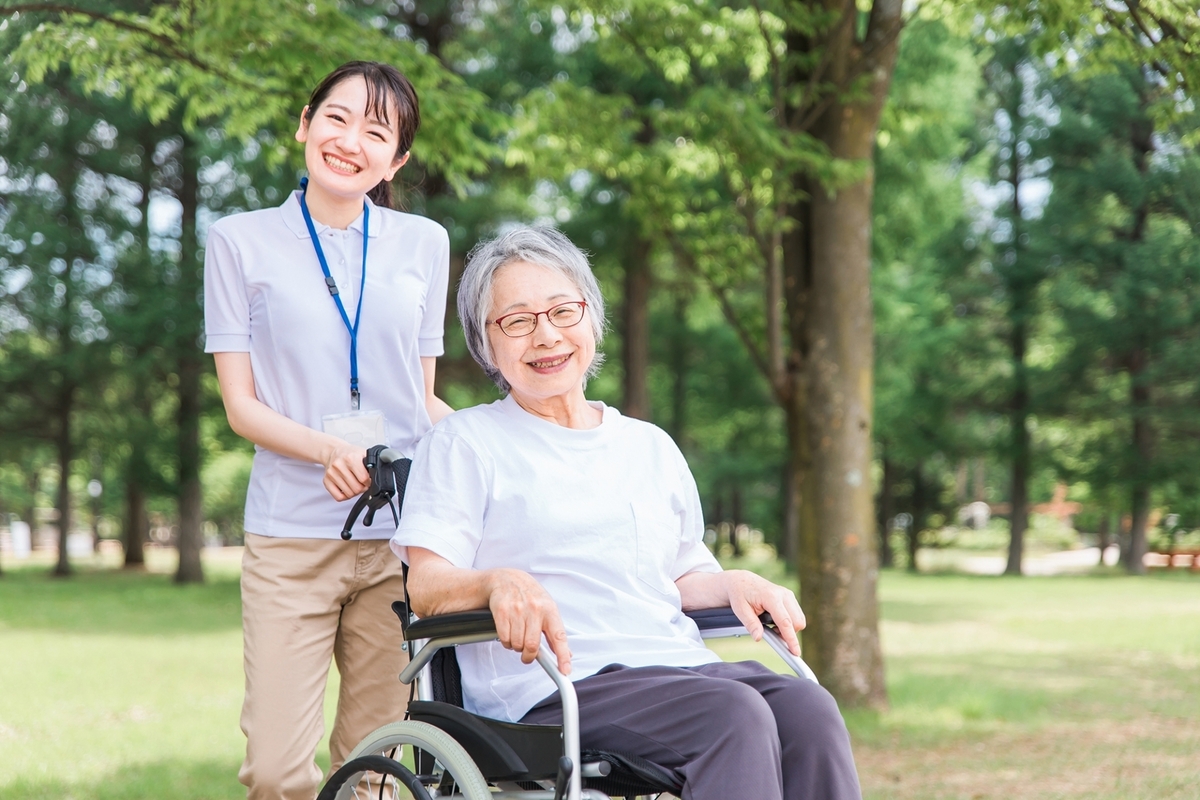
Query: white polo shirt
(265, 294)
(605, 519)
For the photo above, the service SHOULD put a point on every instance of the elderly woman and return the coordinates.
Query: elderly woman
(572, 522)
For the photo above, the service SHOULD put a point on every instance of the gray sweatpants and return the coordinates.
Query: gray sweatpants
(731, 730)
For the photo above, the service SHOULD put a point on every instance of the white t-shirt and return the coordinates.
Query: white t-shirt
(605, 519)
(265, 294)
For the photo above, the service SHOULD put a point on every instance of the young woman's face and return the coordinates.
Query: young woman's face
(347, 149)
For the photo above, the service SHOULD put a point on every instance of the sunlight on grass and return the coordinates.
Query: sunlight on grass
(122, 685)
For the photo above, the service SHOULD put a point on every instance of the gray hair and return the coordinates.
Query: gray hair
(545, 247)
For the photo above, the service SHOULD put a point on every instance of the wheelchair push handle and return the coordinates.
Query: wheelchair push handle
(388, 469)
(385, 456)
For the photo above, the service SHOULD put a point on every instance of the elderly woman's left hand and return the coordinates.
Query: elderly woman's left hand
(751, 595)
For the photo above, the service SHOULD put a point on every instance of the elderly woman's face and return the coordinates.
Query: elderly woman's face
(549, 362)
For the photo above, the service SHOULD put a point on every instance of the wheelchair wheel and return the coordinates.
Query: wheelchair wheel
(371, 777)
(440, 763)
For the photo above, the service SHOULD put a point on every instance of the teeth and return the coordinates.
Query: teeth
(337, 163)
(545, 364)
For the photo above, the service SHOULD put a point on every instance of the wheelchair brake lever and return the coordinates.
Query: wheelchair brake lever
(359, 504)
(565, 768)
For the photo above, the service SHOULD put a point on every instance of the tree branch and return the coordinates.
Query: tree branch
(689, 263)
(776, 67)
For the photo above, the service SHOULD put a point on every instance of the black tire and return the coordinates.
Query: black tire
(444, 766)
(370, 777)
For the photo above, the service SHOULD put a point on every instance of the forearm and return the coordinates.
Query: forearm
(748, 595)
(703, 590)
(434, 405)
(251, 419)
(435, 586)
(521, 607)
(437, 408)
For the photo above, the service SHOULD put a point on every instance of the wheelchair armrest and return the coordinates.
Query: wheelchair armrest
(708, 619)
(461, 623)
(715, 623)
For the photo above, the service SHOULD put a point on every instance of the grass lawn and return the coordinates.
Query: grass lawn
(126, 686)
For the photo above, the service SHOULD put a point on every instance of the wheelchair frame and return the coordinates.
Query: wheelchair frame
(425, 637)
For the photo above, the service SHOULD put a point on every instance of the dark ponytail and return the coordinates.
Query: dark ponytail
(387, 88)
(381, 195)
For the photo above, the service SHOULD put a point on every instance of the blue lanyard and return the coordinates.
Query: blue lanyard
(333, 290)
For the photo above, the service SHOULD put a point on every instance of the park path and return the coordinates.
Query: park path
(1061, 563)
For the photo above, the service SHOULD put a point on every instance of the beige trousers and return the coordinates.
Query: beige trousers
(303, 602)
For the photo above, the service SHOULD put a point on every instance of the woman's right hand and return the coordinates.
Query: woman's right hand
(523, 611)
(345, 474)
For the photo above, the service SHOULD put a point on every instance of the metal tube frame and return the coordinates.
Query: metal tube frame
(422, 651)
(776, 643)
(418, 665)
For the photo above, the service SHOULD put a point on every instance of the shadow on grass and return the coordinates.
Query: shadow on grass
(115, 601)
(160, 780)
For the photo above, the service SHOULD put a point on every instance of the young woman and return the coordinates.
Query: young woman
(325, 318)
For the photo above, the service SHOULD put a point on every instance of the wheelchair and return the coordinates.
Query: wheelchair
(440, 750)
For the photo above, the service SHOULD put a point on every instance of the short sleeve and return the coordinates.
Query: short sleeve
(432, 333)
(226, 305)
(694, 555)
(444, 501)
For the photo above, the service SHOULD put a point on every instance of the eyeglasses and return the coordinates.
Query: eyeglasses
(523, 323)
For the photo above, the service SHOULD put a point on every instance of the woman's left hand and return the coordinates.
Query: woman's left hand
(751, 595)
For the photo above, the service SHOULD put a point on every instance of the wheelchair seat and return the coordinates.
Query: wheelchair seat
(512, 751)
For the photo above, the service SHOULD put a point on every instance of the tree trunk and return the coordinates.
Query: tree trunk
(97, 475)
(191, 512)
(136, 523)
(66, 403)
(838, 560)
(887, 510)
(1020, 474)
(1142, 140)
(1020, 303)
(1142, 449)
(736, 504)
(680, 361)
(35, 485)
(636, 344)
(797, 509)
(917, 523)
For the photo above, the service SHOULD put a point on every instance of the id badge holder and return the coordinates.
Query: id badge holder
(362, 428)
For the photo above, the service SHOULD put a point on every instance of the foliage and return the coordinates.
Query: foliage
(633, 124)
(244, 64)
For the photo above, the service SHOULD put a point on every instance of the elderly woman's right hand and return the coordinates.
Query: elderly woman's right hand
(523, 611)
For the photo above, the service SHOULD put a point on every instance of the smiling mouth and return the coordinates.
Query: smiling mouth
(549, 363)
(342, 166)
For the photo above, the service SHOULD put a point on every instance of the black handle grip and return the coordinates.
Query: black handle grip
(565, 768)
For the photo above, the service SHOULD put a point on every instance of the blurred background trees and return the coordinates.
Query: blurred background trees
(873, 327)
